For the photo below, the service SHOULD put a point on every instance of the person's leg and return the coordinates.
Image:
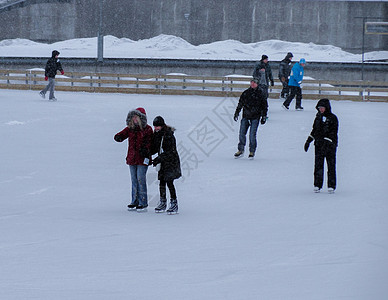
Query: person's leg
(318, 167)
(52, 87)
(134, 181)
(162, 189)
(252, 135)
(171, 188)
(331, 169)
(290, 96)
(298, 103)
(142, 185)
(242, 135)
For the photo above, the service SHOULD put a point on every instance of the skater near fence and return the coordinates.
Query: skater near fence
(52, 66)
(284, 73)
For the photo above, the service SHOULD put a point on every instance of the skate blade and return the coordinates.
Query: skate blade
(172, 212)
(237, 157)
(160, 211)
(132, 209)
(143, 210)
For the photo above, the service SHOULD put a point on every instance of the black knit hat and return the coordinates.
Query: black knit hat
(159, 121)
(264, 57)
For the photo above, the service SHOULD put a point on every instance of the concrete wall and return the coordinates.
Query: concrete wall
(202, 21)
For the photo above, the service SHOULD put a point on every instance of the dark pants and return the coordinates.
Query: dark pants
(285, 89)
(162, 189)
(326, 151)
(295, 91)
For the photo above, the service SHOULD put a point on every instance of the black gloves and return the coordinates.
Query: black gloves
(235, 117)
(307, 144)
(272, 83)
(144, 152)
(263, 120)
(118, 138)
(156, 161)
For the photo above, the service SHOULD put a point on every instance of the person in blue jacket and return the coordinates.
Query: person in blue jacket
(294, 83)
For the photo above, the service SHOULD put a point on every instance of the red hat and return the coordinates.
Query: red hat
(142, 110)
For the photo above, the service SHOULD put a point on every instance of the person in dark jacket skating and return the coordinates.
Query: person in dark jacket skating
(139, 135)
(325, 137)
(255, 107)
(263, 73)
(52, 66)
(167, 162)
(284, 73)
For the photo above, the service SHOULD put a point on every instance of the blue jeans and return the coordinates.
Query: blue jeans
(245, 124)
(139, 184)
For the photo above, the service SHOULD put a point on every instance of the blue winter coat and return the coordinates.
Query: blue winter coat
(296, 75)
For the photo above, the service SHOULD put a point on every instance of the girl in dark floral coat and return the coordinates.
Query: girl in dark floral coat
(168, 163)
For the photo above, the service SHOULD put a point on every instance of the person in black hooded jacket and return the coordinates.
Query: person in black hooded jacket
(167, 163)
(325, 137)
(52, 66)
(284, 73)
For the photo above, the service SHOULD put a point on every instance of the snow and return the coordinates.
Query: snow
(169, 46)
(246, 229)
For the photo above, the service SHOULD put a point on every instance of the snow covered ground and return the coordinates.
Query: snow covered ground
(169, 46)
(246, 229)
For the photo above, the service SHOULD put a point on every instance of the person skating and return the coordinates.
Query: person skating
(52, 66)
(164, 145)
(325, 137)
(255, 107)
(294, 83)
(139, 135)
(263, 73)
(284, 73)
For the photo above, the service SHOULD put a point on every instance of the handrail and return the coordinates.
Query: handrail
(228, 86)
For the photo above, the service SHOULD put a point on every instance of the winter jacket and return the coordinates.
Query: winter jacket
(285, 68)
(139, 138)
(325, 127)
(53, 65)
(268, 72)
(296, 77)
(253, 103)
(164, 144)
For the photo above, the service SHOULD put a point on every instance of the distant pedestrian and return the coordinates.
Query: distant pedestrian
(263, 73)
(52, 66)
(139, 135)
(325, 137)
(255, 107)
(167, 163)
(294, 83)
(284, 73)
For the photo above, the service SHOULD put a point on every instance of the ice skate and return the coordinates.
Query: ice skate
(173, 207)
(251, 155)
(132, 207)
(42, 95)
(239, 154)
(141, 208)
(317, 189)
(330, 190)
(285, 107)
(299, 108)
(162, 206)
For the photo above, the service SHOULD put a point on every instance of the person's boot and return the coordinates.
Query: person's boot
(239, 154)
(173, 207)
(162, 206)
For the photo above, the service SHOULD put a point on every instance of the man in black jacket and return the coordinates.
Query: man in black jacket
(255, 107)
(52, 66)
(325, 137)
(284, 73)
(263, 73)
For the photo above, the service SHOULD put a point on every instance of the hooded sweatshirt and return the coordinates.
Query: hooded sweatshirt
(325, 127)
